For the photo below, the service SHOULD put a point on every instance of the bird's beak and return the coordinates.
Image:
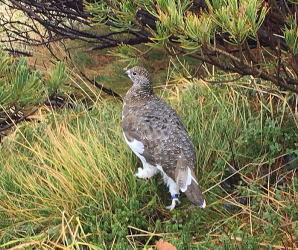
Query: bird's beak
(127, 73)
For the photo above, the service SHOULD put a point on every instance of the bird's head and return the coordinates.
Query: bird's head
(138, 75)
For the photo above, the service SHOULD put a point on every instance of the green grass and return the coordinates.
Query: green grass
(82, 59)
(68, 180)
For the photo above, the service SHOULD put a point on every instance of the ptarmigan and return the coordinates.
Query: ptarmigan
(156, 134)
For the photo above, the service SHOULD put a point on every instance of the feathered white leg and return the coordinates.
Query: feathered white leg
(174, 190)
(146, 172)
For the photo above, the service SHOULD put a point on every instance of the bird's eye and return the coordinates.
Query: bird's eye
(134, 73)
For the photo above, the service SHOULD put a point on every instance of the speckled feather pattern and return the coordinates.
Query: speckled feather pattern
(160, 129)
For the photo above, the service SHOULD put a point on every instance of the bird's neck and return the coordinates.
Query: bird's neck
(139, 93)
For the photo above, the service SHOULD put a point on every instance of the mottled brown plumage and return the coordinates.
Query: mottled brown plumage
(158, 137)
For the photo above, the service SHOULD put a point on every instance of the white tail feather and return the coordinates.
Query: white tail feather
(189, 178)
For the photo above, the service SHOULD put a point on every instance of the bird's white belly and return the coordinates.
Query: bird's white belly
(136, 146)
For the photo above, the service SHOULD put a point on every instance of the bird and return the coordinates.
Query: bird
(157, 136)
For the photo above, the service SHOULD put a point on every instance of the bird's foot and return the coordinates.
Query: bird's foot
(173, 205)
(145, 173)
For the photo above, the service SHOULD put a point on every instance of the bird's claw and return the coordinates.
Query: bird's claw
(173, 205)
